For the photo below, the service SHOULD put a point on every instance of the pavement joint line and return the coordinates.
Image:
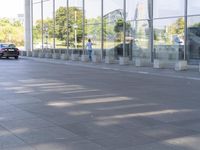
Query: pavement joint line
(143, 72)
(53, 61)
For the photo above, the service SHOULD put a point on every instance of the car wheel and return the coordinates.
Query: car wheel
(16, 57)
(7, 57)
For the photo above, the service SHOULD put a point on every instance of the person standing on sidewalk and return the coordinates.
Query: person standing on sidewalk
(89, 49)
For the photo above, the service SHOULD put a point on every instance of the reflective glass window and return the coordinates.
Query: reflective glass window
(194, 37)
(61, 24)
(168, 8)
(137, 39)
(37, 25)
(137, 9)
(193, 7)
(48, 24)
(113, 28)
(75, 24)
(93, 24)
(169, 38)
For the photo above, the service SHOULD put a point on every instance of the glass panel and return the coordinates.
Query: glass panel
(93, 32)
(137, 40)
(168, 8)
(193, 7)
(75, 24)
(137, 9)
(36, 1)
(48, 25)
(93, 24)
(169, 38)
(113, 28)
(61, 24)
(93, 11)
(37, 25)
(194, 37)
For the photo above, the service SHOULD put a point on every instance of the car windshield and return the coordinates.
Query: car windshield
(11, 45)
(4, 45)
(7, 46)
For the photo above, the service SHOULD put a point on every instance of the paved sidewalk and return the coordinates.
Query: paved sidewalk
(192, 72)
(57, 105)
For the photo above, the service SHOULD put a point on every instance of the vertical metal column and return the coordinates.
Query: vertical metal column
(67, 20)
(151, 36)
(185, 30)
(42, 25)
(102, 29)
(83, 26)
(124, 30)
(54, 25)
(31, 27)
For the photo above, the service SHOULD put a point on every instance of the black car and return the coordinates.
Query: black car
(8, 50)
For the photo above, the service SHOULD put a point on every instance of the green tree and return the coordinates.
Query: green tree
(62, 28)
(118, 28)
(177, 27)
(61, 23)
(11, 31)
(93, 27)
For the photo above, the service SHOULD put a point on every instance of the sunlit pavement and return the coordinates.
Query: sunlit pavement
(56, 106)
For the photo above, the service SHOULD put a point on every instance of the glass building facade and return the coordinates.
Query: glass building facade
(145, 29)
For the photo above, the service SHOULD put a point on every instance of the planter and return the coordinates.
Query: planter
(159, 64)
(96, 58)
(41, 55)
(56, 56)
(84, 58)
(109, 60)
(48, 55)
(142, 62)
(181, 65)
(124, 60)
(35, 53)
(64, 57)
(29, 53)
(23, 53)
(75, 57)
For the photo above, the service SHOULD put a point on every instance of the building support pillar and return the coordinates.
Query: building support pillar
(28, 25)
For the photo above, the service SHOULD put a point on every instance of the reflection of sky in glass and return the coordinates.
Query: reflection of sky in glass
(76, 3)
(131, 6)
(167, 8)
(161, 24)
(36, 12)
(110, 5)
(36, 1)
(193, 20)
(193, 7)
(60, 3)
(92, 8)
(48, 9)
(11, 8)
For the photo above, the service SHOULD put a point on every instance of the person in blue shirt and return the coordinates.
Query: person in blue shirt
(89, 49)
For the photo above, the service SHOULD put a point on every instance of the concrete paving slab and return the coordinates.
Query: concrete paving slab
(10, 140)
(62, 105)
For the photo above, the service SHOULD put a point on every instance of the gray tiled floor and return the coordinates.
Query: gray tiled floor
(74, 106)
